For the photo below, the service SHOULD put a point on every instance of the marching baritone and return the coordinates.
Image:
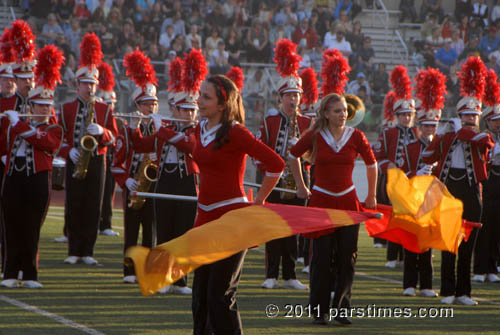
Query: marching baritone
(89, 128)
(30, 147)
(461, 154)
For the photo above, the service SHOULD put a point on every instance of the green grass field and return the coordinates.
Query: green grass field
(94, 297)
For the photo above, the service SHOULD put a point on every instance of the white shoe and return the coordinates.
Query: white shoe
(270, 283)
(378, 245)
(410, 292)
(448, 300)
(130, 279)
(294, 284)
(332, 295)
(300, 260)
(428, 293)
(391, 264)
(62, 239)
(10, 283)
(89, 260)
(498, 268)
(72, 260)
(32, 284)
(479, 278)
(165, 289)
(109, 232)
(20, 275)
(184, 290)
(465, 300)
(305, 269)
(493, 278)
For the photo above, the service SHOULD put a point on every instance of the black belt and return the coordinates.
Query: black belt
(457, 174)
(495, 169)
(20, 163)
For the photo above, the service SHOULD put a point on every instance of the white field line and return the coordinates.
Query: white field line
(52, 316)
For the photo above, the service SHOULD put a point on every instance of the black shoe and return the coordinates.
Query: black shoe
(343, 320)
(320, 320)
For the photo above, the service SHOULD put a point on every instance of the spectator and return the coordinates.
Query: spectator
(69, 71)
(228, 9)
(457, 43)
(264, 15)
(216, 18)
(471, 48)
(340, 43)
(445, 57)
(73, 36)
(495, 13)
(489, 43)
(453, 87)
(64, 10)
(179, 45)
(108, 46)
(305, 9)
(212, 41)
(234, 48)
(354, 85)
(62, 44)
(365, 57)
(193, 38)
(258, 43)
(315, 23)
(179, 25)
(195, 17)
(306, 60)
(428, 27)
(463, 29)
(113, 23)
(431, 6)
(496, 54)
(344, 23)
(407, 8)
(480, 12)
(219, 60)
(351, 8)
(475, 29)
(278, 32)
(240, 16)
(363, 95)
(356, 38)
(153, 52)
(305, 36)
(127, 33)
(330, 36)
(92, 5)
(142, 7)
(446, 27)
(432, 44)
(170, 57)
(81, 10)
(157, 14)
(51, 29)
(379, 84)
(463, 8)
(256, 91)
(493, 62)
(97, 16)
(166, 39)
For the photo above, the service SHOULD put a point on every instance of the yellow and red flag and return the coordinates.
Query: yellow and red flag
(235, 231)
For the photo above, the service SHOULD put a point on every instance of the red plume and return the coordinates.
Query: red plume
(334, 71)
(195, 70)
(236, 75)
(286, 59)
(401, 82)
(106, 77)
(431, 88)
(472, 77)
(309, 86)
(139, 68)
(23, 40)
(50, 59)
(7, 53)
(331, 53)
(175, 74)
(90, 51)
(390, 99)
(492, 91)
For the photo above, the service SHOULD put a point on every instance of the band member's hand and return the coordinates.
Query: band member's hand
(13, 117)
(425, 171)
(156, 121)
(95, 130)
(153, 156)
(391, 165)
(371, 202)
(4, 159)
(457, 124)
(74, 155)
(131, 184)
(135, 122)
(303, 193)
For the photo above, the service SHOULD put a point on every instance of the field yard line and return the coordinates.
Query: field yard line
(52, 316)
(389, 280)
(62, 215)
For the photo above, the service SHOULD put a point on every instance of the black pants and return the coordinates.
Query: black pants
(418, 267)
(322, 274)
(394, 251)
(174, 217)
(215, 310)
(282, 249)
(24, 201)
(133, 220)
(2, 242)
(107, 200)
(472, 212)
(83, 203)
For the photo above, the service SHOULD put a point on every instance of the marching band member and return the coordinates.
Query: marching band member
(391, 148)
(108, 96)
(462, 154)
(221, 146)
(177, 170)
(30, 147)
(85, 170)
(431, 89)
(128, 161)
(280, 131)
(486, 249)
(333, 147)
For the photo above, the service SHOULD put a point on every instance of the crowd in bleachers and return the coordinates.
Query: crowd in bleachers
(234, 31)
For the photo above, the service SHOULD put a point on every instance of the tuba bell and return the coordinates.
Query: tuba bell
(355, 110)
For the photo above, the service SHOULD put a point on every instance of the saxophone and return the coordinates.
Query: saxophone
(288, 181)
(146, 175)
(88, 144)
